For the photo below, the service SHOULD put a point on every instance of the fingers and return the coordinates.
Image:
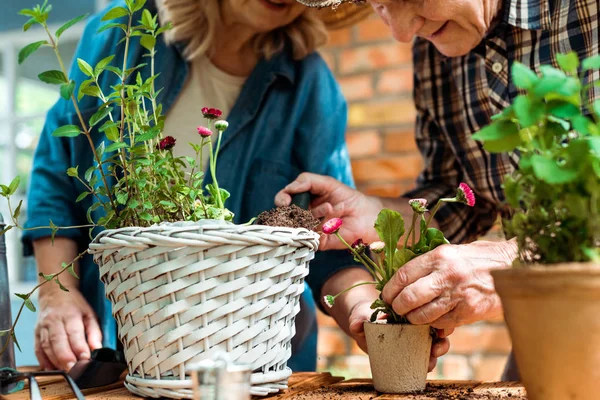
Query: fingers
(318, 185)
(417, 294)
(440, 347)
(76, 335)
(45, 363)
(93, 331)
(432, 311)
(57, 346)
(444, 333)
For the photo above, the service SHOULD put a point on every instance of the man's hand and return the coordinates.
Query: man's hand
(451, 285)
(362, 312)
(67, 329)
(333, 199)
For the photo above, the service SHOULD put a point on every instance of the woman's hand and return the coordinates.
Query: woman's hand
(67, 329)
(362, 312)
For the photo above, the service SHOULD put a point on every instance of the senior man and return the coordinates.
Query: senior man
(462, 56)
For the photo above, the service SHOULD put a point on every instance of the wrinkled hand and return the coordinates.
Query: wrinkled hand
(333, 199)
(451, 285)
(362, 312)
(65, 319)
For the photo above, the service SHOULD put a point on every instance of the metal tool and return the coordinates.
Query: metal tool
(8, 377)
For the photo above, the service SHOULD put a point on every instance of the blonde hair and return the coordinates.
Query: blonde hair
(195, 22)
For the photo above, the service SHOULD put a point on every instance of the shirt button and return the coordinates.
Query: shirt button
(497, 67)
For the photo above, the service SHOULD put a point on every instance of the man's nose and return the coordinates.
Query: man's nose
(400, 16)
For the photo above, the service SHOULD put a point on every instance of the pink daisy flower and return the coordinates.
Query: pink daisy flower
(465, 194)
(332, 226)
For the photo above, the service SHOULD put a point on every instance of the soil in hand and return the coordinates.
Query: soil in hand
(289, 217)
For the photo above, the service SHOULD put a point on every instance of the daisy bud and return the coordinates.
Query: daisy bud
(359, 246)
(221, 125)
(377, 247)
(329, 300)
(418, 205)
(204, 132)
(465, 195)
(332, 226)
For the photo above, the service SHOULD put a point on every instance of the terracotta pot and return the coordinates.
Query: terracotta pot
(399, 356)
(553, 315)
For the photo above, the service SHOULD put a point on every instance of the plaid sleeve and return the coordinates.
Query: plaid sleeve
(443, 170)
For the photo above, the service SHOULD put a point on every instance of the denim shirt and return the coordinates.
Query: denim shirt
(290, 117)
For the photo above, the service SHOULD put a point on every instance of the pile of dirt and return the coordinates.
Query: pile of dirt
(289, 217)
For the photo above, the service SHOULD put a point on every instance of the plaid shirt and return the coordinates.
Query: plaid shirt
(455, 97)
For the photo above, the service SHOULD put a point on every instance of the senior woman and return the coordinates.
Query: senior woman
(255, 61)
(462, 55)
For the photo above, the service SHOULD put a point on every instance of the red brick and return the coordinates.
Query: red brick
(374, 57)
(398, 112)
(365, 143)
(395, 81)
(394, 189)
(399, 141)
(358, 87)
(373, 29)
(332, 342)
(488, 367)
(455, 367)
(339, 37)
(480, 338)
(387, 168)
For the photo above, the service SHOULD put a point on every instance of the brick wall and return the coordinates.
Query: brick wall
(375, 74)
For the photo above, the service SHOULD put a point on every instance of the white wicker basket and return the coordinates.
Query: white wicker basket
(182, 292)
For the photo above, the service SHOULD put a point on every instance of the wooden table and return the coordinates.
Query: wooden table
(312, 386)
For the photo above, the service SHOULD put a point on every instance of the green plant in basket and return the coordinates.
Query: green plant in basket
(135, 179)
(555, 192)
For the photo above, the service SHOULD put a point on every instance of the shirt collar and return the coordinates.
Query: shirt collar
(529, 14)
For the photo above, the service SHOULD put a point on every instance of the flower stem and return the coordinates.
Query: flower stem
(352, 287)
(366, 261)
(412, 230)
(437, 207)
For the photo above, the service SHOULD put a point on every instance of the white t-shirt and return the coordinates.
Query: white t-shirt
(206, 86)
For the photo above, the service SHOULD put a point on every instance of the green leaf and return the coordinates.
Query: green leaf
(14, 185)
(568, 62)
(138, 5)
(562, 109)
(523, 77)
(591, 63)
(167, 203)
(29, 24)
(390, 227)
(145, 216)
(29, 305)
(148, 42)
(116, 146)
(8, 228)
(67, 89)
(30, 49)
(434, 238)
(14, 338)
(67, 131)
(70, 269)
(22, 296)
(496, 131)
(89, 172)
(111, 25)
(69, 24)
(64, 289)
(114, 13)
(47, 278)
(85, 67)
(508, 143)
(53, 77)
(528, 111)
(151, 134)
(82, 196)
(115, 70)
(54, 230)
(102, 64)
(100, 150)
(596, 107)
(122, 197)
(91, 90)
(73, 171)
(133, 203)
(582, 124)
(18, 210)
(147, 18)
(403, 256)
(100, 115)
(549, 171)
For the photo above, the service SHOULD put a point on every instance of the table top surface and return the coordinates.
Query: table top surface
(309, 386)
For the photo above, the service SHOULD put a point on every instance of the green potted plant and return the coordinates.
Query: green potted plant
(183, 280)
(398, 351)
(551, 297)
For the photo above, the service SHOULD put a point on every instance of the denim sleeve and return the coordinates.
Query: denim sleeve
(322, 149)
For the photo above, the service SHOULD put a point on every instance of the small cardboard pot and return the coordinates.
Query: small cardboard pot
(399, 356)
